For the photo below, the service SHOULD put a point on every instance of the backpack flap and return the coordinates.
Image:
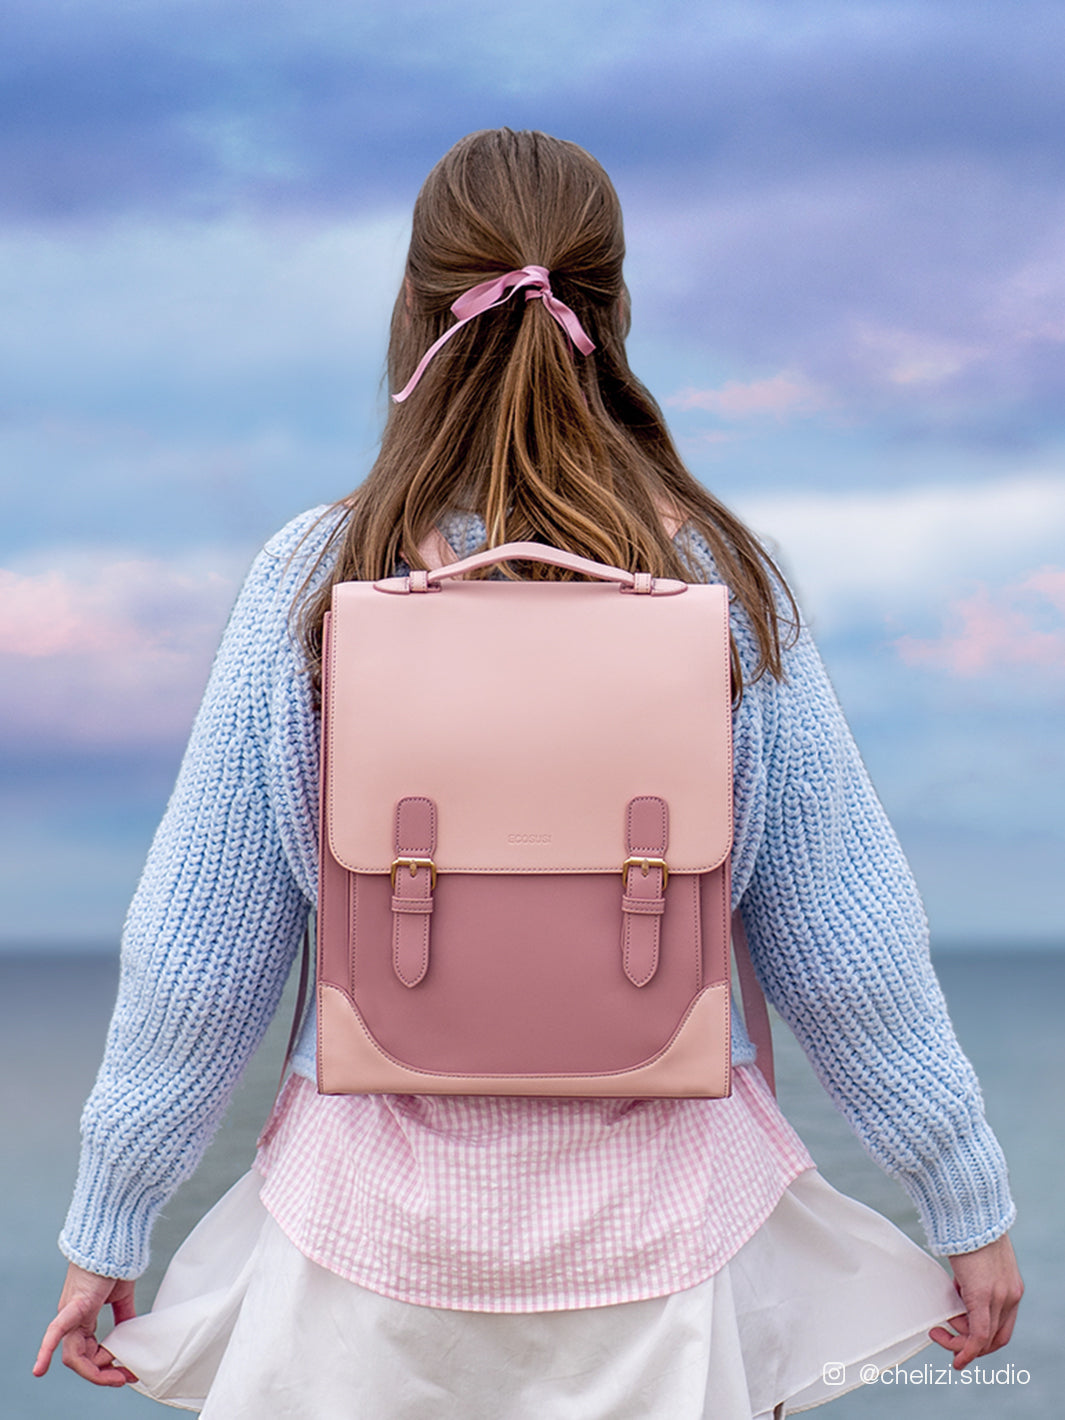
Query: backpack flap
(531, 714)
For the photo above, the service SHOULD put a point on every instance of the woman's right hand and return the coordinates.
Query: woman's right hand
(84, 1296)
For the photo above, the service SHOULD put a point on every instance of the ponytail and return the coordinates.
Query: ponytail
(508, 420)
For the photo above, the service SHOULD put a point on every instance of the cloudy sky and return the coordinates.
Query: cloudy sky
(846, 231)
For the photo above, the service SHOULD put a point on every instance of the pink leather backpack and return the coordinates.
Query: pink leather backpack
(525, 835)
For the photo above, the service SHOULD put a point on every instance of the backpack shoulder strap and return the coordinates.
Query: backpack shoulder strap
(755, 1010)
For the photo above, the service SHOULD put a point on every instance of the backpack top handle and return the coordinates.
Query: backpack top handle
(638, 582)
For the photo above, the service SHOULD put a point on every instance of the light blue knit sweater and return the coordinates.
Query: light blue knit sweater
(836, 931)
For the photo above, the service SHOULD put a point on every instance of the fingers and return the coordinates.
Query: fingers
(122, 1308)
(954, 1340)
(110, 1361)
(75, 1327)
(84, 1355)
(44, 1355)
(65, 1320)
(965, 1341)
(944, 1338)
(977, 1334)
(1005, 1330)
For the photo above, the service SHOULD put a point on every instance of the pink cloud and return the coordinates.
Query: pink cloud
(105, 651)
(48, 613)
(777, 397)
(1022, 624)
(1048, 582)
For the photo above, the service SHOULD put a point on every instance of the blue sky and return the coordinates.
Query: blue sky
(846, 229)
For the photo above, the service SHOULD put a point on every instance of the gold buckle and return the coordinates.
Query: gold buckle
(414, 864)
(645, 865)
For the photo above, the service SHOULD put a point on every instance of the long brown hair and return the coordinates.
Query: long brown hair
(508, 421)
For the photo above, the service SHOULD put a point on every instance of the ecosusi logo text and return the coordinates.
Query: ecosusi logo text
(528, 838)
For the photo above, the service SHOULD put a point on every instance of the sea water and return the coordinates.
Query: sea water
(1007, 1011)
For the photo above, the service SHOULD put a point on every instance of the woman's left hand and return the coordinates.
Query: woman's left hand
(83, 1297)
(989, 1284)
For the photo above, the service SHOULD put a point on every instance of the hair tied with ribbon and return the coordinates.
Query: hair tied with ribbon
(535, 281)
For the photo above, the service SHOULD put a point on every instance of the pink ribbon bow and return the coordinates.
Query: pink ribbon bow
(478, 299)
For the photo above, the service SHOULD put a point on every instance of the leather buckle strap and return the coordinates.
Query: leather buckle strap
(644, 875)
(413, 884)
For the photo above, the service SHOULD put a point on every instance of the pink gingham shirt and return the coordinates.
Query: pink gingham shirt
(519, 1205)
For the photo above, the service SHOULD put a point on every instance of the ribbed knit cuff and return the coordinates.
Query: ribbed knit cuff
(110, 1219)
(974, 1172)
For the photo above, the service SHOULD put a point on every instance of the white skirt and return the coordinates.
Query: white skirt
(246, 1328)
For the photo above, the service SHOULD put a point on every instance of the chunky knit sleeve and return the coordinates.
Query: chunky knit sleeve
(209, 938)
(839, 939)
